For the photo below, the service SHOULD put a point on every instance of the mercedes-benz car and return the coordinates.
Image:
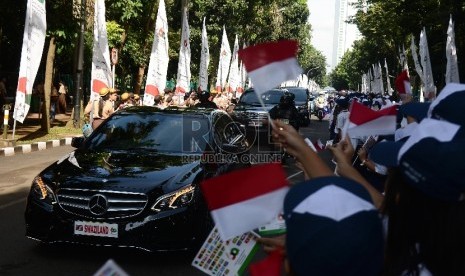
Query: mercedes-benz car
(134, 182)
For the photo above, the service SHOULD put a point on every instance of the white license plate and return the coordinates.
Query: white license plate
(99, 229)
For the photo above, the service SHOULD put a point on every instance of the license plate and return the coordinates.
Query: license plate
(99, 229)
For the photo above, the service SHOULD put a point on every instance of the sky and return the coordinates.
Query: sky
(322, 21)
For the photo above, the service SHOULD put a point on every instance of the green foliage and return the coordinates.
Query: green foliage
(387, 25)
(131, 24)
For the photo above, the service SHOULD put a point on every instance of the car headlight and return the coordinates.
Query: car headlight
(174, 200)
(41, 191)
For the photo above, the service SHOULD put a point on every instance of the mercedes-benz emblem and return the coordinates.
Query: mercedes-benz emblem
(98, 204)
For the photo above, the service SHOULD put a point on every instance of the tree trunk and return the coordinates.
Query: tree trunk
(48, 84)
(140, 78)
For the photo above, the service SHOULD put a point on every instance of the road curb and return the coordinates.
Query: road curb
(27, 148)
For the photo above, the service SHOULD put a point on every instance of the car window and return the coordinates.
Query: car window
(175, 133)
(226, 130)
(300, 94)
(269, 97)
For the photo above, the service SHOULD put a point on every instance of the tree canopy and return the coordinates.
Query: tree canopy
(131, 23)
(388, 25)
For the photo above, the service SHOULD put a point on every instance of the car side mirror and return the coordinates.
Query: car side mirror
(77, 142)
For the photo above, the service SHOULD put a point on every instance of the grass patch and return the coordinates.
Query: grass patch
(55, 133)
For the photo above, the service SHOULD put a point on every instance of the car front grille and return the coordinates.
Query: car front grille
(257, 116)
(101, 204)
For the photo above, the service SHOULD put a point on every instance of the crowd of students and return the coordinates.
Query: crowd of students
(339, 223)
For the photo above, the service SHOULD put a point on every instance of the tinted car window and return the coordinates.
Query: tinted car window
(300, 94)
(269, 97)
(175, 133)
(226, 130)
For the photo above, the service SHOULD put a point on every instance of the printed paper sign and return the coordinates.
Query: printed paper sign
(232, 257)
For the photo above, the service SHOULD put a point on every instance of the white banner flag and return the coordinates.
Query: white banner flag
(388, 82)
(223, 64)
(418, 69)
(31, 54)
(242, 75)
(101, 66)
(452, 70)
(430, 89)
(158, 65)
(233, 79)
(371, 86)
(380, 78)
(184, 64)
(204, 60)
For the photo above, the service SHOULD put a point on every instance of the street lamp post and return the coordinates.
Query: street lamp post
(312, 69)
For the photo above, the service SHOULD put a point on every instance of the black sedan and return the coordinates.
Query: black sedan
(135, 181)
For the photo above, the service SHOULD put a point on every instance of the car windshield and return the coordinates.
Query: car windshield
(170, 133)
(300, 94)
(270, 97)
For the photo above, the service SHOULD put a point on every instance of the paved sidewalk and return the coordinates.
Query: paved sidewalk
(30, 129)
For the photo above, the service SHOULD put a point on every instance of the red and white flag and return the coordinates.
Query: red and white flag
(243, 200)
(269, 64)
(364, 121)
(319, 145)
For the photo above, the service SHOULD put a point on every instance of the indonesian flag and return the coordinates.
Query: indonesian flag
(403, 83)
(316, 146)
(270, 64)
(364, 121)
(243, 200)
(319, 145)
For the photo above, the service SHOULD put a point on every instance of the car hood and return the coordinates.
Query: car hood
(122, 171)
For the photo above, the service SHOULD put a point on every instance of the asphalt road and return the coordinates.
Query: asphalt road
(21, 256)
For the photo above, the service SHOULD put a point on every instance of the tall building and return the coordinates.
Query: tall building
(344, 33)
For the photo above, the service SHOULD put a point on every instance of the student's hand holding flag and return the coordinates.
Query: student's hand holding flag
(289, 138)
(343, 152)
(295, 145)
